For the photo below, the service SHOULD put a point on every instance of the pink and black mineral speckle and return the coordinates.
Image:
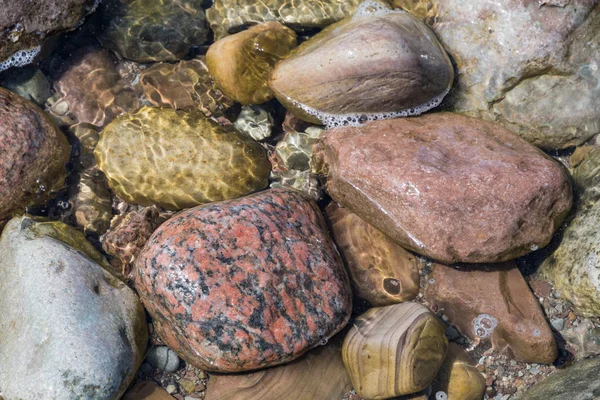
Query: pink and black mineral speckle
(244, 284)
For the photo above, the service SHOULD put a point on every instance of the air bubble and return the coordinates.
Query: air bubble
(374, 8)
(431, 281)
(441, 396)
(537, 332)
(324, 342)
(484, 325)
(534, 247)
(20, 58)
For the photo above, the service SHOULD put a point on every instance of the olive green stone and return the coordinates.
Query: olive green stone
(178, 159)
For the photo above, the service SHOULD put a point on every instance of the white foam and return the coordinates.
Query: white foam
(357, 119)
(374, 8)
(20, 58)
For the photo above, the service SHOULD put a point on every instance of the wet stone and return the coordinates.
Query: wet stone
(29, 83)
(255, 122)
(244, 284)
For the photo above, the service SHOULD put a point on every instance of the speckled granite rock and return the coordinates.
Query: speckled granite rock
(578, 382)
(25, 24)
(186, 85)
(450, 187)
(241, 63)
(28, 82)
(382, 272)
(227, 16)
(90, 90)
(493, 302)
(319, 374)
(152, 30)
(72, 325)
(574, 267)
(458, 377)
(34, 154)
(244, 284)
(532, 65)
(178, 159)
(376, 65)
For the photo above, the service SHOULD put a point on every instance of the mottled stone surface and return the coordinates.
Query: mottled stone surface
(186, 85)
(65, 321)
(530, 65)
(586, 174)
(90, 89)
(178, 159)
(458, 377)
(25, 24)
(33, 154)
(394, 350)
(244, 284)
(319, 374)
(493, 302)
(382, 272)
(241, 63)
(578, 382)
(152, 30)
(226, 16)
(450, 187)
(365, 67)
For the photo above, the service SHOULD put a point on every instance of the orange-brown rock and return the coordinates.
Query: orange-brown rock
(147, 390)
(458, 377)
(450, 187)
(184, 86)
(241, 63)
(493, 303)
(382, 272)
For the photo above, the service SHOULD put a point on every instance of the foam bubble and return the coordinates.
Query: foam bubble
(334, 120)
(441, 395)
(20, 58)
(374, 8)
(484, 325)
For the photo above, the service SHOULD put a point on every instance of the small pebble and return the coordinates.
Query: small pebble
(171, 389)
(535, 370)
(452, 333)
(558, 324)
(163, 358)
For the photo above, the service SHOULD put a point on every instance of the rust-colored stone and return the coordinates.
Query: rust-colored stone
(450, 187)
(493, 303)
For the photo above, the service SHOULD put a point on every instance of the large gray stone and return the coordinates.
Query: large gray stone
(531, 65)
(579, 382)
(68, 328)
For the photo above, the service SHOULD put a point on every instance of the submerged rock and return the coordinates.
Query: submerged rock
(152, 30)
(493, 302)
(178, 159)
(458, 377)
(449, 187)
(380, 64)
(382, 272)
(531, 65)
(241, 63)
(244, 284)
(24, 25)
(255, 122)
(34, 154)
(59, 303)
(29, 83)
(186, 85)
(226, 16)
(394, 350)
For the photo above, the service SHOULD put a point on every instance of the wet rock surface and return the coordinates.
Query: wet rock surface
(88, 325)
(418, 179)
(261, 285)
(34, 155)
(178, 159)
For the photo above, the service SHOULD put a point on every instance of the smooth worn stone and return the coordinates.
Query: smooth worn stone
(255, 122)
(227, 16)
(319, 374)
(449, 187)
(186, 85)
(244, 284)
(493, 302)
(127, 236)
(459, 379)
(163, 358)
(152, 30)
(241, 63)
(65, 320)
(147, 390)
(178, 159)
(577, 382)
(24, 25)
(376, 65)
(394, 350)
(539, 74)
(583, 338)
(33, 152)
(382, 272)
(28, 82)
(90, 90)
(574, 267)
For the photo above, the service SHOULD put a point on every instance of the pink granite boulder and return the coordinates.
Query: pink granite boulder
(244, 284)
